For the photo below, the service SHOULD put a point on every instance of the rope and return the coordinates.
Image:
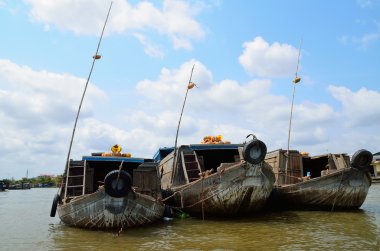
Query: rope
(201, 196)
(121, 229)
(118, 174)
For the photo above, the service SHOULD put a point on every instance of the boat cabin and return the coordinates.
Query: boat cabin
(87, 175)
(191, 160)
(302, 167)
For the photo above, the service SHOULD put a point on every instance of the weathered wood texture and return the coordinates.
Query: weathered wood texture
(146, 180)
(236, 189)
(343, 189)
(278, 161)
(100, 211)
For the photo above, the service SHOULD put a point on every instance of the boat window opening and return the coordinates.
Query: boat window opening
(101, 169)
(162, 153)
(213, 158)
(314, 165)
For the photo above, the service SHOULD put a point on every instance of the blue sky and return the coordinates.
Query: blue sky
(245, 55)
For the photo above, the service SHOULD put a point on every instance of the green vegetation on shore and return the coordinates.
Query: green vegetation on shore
(40, 181)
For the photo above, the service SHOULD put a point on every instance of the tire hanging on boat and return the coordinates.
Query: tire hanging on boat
(115, 187)
(56, 199)
(361, 159)
(254, 151)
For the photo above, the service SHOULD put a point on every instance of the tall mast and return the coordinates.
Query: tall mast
(95, 57)
(295, 81)
(190, 85)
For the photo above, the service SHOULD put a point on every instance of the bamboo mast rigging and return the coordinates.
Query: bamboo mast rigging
(95, 57)
(190, 85)
(295, 81)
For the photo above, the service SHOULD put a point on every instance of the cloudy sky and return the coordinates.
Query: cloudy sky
(245, 56)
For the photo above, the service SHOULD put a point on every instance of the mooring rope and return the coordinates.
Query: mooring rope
(118, 174)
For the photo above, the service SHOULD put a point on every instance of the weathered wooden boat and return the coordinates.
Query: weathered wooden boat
(108, 192)
(333, 181)
(216, 179)
(20, 186)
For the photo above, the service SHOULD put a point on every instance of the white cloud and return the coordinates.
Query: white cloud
(228, 107)
(264, 60)
(235, 109)
(28, 94)
(37, 109)
(363, 41)
(365, 3)
(171, 85)
(368, 39)
(359, 108)
(150, 48)
(175, 19)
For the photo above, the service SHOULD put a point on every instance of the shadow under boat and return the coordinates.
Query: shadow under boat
(333, 181)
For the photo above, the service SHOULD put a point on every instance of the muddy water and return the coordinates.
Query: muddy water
(25, 225)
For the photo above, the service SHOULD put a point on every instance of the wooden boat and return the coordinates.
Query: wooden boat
(332, 180)
(20, 186)
(216, 179)
(109, 192)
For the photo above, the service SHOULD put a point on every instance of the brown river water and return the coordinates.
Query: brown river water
(25, 225)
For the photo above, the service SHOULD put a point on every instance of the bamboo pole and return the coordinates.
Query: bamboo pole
(95, 57)
(295, 81)
(179, 122)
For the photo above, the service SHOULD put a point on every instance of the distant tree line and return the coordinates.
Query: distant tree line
(44, 181)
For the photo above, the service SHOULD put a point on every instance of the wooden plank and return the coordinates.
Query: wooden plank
(84, 178)
(338, 161)
(184, 167)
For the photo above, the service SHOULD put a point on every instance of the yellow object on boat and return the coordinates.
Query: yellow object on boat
(116, 149)
(214, 140)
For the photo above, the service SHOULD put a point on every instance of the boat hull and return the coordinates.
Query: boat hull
(239, 189)
(101, 211)
(342, 190)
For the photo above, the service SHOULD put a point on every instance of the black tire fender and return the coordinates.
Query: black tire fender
(56, 200)
(117, 188)
(361, 159)
(254, 151)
